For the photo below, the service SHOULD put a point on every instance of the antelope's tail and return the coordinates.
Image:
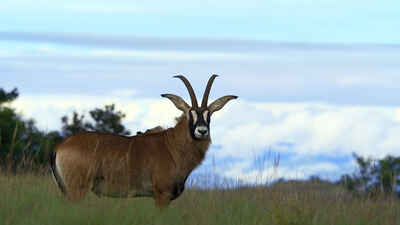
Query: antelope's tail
(55, 172)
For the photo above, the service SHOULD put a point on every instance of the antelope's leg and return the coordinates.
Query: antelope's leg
(162, 200)
(77, 189)
(76, 176)
(161, 197)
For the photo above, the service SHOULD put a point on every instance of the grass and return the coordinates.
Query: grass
(35, 200)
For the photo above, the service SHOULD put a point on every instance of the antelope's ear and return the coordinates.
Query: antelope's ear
(219, 103)
(178, 102)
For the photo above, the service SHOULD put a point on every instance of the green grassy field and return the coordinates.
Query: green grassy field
(30, 199)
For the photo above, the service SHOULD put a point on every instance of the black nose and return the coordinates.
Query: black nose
(203, 132)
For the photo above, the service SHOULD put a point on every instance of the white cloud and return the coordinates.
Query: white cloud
(271, 174)
(124, 93)
(397, 115)
(312, 129)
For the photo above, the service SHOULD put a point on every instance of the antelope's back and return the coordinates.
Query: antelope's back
(90, 149)
(90, 142)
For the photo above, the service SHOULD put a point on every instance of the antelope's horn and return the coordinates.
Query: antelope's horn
(190, 90)
(207, 91)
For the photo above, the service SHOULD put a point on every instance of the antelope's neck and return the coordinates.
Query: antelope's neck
(187, 152)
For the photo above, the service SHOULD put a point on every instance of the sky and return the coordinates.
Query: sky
(316, 80)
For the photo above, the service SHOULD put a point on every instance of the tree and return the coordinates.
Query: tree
(77, 125)
(21, 142)
(106, 120)
(387, 173)
(12, 129)
(374, 176)
(11, 125)
(8, 97)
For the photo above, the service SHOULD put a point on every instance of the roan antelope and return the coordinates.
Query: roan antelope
(154, 164)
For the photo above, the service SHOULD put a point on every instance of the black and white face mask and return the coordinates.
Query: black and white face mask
(199, 123)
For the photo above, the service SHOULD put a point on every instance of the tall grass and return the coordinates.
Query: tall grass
(34, 199)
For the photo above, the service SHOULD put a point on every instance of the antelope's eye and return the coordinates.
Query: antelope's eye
(205, 116)
(194, 116)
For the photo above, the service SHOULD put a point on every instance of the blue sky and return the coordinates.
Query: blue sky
(322, 21)
(317, 80)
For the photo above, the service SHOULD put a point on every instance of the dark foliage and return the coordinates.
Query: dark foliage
(22, 145)
(8, 96)
(374, 176)
(106, 120)
(76, 125)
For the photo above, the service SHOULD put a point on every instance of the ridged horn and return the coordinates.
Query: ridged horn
(207, 91)
(190, 90)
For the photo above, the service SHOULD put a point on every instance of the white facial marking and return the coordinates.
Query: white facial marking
(205, 116)
(194, 115)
